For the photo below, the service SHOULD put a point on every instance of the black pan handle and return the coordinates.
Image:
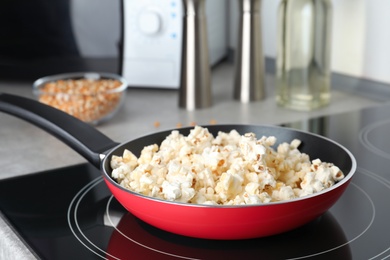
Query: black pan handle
(80, 136)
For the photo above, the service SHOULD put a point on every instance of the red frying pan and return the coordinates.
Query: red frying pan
(201, 221)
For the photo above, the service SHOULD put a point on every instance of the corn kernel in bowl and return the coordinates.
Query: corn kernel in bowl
(90, 97)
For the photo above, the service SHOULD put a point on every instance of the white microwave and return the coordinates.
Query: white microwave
(152, 40)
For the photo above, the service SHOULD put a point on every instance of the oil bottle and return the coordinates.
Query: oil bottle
(303, 76)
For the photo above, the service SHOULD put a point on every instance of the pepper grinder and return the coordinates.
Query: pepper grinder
(249, 74)
(195, 83)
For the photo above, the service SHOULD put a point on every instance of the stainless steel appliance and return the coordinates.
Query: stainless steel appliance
(152, 40)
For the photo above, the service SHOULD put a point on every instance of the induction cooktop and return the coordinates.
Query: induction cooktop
(69, 213)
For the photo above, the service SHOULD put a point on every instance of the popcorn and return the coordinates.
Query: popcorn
(228, 169)
(229, 186)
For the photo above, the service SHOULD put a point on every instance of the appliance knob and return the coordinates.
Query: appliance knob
(149, 22)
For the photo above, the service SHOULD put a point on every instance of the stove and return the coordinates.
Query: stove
(69, 213)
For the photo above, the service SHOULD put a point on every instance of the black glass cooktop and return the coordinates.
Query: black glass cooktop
(70, 214)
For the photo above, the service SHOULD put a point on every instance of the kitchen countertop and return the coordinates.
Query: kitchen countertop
(27, 149)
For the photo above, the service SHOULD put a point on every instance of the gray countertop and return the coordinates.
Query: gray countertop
(27, 149)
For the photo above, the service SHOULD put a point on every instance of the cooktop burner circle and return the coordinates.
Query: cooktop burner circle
(371, 136)
(136, 234)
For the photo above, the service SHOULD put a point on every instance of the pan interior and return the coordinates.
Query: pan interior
(313, 145)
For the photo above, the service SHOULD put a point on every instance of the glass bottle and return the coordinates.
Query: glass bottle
(303, 76)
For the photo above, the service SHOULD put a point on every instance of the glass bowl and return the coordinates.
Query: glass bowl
(89, 96)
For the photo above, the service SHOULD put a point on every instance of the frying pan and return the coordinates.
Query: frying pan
(200, 221)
